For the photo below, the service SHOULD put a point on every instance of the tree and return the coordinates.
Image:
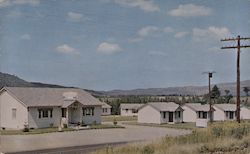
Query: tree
(228, 96)
(215, 93)
(246, 90)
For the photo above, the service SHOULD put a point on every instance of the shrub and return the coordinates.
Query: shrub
(26, 128)
(148, 150)
(239, 132)
(115, 122)
(217, 131)
(65, 126)
(83, 124)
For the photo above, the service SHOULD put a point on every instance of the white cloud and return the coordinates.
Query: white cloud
(5, 3)
(30, 2)
(26, 37)
(210, 33)
(145, 5)
(73, 16)
(144, 32)
(148, 30)
(168, 30)
(108, 48)
(180, 34)
(66, 49)
(190, 10)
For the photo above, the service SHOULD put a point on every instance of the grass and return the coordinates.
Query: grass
(111, 118)
(33, 131)
(105, 126)
(55, 129)
(187, 125)
(219, 137)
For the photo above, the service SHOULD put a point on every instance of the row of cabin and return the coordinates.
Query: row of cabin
(170, 112)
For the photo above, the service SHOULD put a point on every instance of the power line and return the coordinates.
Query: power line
(238, 47)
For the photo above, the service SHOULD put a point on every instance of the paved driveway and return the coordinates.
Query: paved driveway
(14, 143)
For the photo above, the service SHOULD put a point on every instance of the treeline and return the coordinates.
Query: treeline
(215, 98)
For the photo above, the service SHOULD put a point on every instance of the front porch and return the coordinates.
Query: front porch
(171, 117)
(78, 114)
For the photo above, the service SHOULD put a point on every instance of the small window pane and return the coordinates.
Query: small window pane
(13, 113)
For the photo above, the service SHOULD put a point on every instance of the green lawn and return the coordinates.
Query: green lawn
(55, 129)
(105, 126)
(111, 118)
(187, 125)
(33, 131)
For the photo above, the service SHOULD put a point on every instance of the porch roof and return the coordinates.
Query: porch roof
(105, 105)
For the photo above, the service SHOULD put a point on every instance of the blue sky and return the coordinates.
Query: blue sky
(122, 44)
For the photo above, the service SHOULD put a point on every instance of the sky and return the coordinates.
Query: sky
(123, 44)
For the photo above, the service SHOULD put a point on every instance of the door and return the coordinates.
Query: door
(171, 117)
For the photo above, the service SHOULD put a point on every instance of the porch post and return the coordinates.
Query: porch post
(67, 115)
(174, 120)
(81, 114)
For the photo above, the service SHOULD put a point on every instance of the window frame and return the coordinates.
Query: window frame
(45, 113)
(164, 116)
(14, 113)
(88, 111)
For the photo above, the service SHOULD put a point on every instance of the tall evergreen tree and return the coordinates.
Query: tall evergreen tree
(215, 93)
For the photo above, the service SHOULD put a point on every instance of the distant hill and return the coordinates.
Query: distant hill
(14, 81)
(186, 90)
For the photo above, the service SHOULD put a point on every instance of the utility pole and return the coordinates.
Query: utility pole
(238, 47)
(210, 75)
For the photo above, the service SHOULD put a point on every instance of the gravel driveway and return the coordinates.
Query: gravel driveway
(14, 143)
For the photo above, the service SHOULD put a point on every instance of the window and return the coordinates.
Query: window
(178, 114)
(89, 111)
(204, 116)
(126, 110)
(104, 110)
(64, 112)
(14, 113)
(45, 113)
(231, 115)
(134, 111)
(164, 115)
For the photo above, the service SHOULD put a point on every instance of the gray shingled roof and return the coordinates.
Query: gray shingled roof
(226, 107)
(198, 107)
(164, 106)
(130, 106)
(31, 96)
(105, 105)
